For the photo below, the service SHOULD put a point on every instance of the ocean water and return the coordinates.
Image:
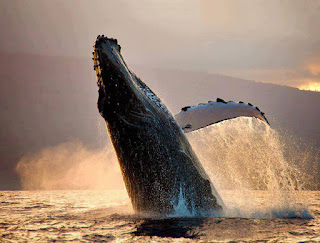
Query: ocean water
(103, 216)
(260, 175)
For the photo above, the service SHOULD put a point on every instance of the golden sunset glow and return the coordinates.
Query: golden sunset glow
(314, 68)
(310, 86)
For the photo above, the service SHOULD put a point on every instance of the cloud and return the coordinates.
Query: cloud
(303, 75)
(233, 37)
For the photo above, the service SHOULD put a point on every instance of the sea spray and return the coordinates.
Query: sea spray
(244, 158)
(70, 166)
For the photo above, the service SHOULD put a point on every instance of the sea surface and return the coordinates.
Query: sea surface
(107, 216)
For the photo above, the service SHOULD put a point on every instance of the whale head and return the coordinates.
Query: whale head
(119, 92)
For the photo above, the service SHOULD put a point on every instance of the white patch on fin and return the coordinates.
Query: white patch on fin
(191, 118)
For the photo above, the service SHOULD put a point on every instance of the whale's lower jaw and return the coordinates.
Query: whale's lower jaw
(160, 170)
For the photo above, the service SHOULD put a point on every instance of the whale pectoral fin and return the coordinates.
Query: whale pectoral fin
(192, 118)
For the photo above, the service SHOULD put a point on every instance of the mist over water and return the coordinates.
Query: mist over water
(245, 160)
(70, 166)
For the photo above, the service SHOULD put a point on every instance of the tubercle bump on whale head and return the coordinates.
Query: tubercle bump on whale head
(102, 48)
(103, 39)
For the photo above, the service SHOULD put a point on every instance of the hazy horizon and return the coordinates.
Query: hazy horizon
(50, 102)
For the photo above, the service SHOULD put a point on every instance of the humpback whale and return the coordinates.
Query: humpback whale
(158, 165)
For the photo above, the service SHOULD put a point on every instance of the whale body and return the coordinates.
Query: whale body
(160, 170)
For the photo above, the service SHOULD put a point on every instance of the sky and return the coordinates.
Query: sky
(267, 41)
(48, 83)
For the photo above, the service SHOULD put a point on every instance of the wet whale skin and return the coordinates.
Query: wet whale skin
(159, 167)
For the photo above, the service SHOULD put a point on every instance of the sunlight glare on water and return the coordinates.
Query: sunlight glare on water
(104, 216)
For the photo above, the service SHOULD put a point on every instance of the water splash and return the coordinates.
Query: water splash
(245, 158)
(247, 161)
(181, 208)
(70, 166)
